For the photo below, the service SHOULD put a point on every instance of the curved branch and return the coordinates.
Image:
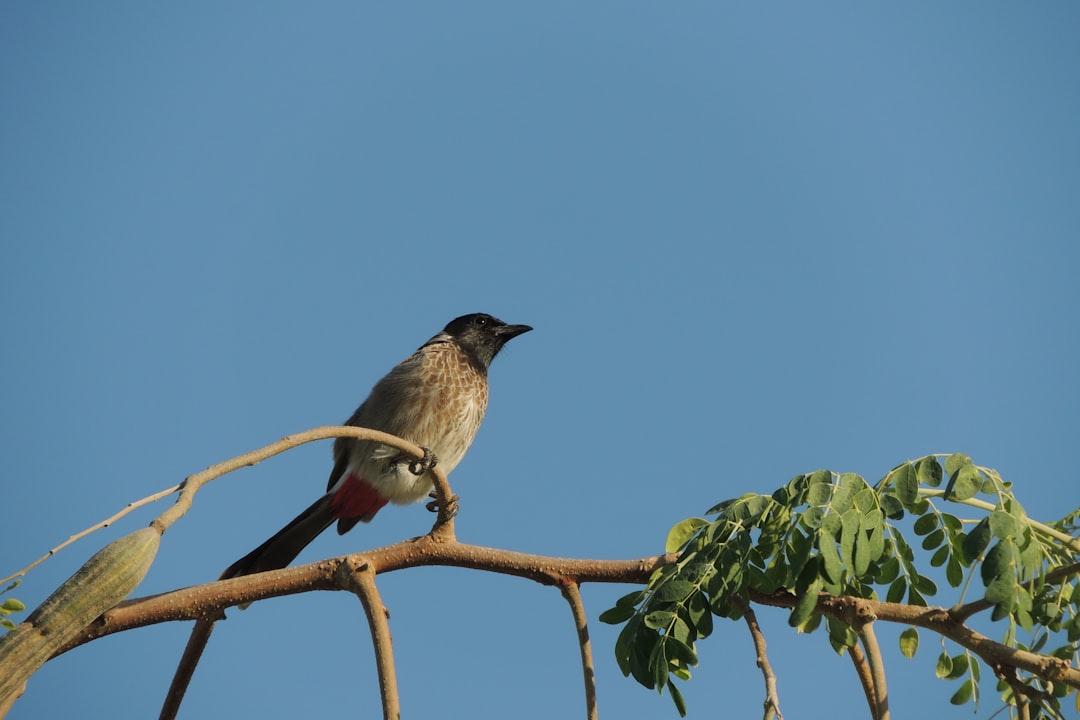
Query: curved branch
(361, 581)
(447, 502)
(200, 635)
(572, 592)
(862, 669)
(193, 483)
(877, 669)
(772, 697)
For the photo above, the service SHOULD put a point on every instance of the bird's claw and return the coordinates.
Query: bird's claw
(433, 505)
(421, 466)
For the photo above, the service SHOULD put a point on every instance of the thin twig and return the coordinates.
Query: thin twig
(572, 592)
(92, 529)
(772, 696)
(1064, 538)
(194, 482)
(877, 669)
(862, 670)
(361, 581)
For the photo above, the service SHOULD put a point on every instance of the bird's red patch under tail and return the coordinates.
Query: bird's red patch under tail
(356, 500)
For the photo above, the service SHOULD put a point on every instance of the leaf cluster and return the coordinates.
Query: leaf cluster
(828, 534)
(9, 606)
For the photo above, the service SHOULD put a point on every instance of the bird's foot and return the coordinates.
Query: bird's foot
(421, 466)
(433, 505)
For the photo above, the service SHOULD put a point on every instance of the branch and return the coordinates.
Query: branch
(194, 482)
(201, 601)
(571, 591)
(862, 669)
(939, 620)
(92, 529)
(963, 612)
(1064, 538)
(772, 697)
(877, 670)
(360, 580)
(200, 635)
(447, 502)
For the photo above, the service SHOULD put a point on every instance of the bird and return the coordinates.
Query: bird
(435, 399)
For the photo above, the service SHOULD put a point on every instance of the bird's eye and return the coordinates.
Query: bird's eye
(480, 321)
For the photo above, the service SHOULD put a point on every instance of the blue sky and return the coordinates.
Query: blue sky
(754, 240)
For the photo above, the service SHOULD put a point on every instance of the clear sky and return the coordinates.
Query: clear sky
(754, 240)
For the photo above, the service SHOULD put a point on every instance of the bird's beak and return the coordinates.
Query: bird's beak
(509, 332)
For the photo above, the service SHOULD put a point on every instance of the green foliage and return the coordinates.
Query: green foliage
(835, 534)
(9, 606)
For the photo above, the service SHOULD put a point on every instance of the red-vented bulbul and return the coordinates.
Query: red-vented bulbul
(434, 399)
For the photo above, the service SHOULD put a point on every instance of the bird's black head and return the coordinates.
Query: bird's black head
(481, 336)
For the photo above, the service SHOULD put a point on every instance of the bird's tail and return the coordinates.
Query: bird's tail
(286, 544)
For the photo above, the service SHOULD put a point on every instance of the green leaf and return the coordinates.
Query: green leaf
(830, 558)
(1003, 525)
(876, 541)
(659, 664)
(955, 461)
(998, 561)
(924, 585)
(909, 642)
(658, 619)
(862, 555)
(813, 517)
(959, 667)
(12, 605)
(940, 557)
(891, 506)
(954, 572)
(944, 666)
(934, 539)
(675, 648)
(928, 470)
(963, 695)
(952, 522)
(624, 645)
(849, 528)
(677, 698)
(906, 483)
(977, 540)
(805, 606)
(866, 499)
(926, 524)
(819, 493)
(1000, 593)
(841, 635)
(616, 615)
(682, 532)
(674, 591)
(888, 571)
(897, 590)
(964, 484)
(699, 616)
